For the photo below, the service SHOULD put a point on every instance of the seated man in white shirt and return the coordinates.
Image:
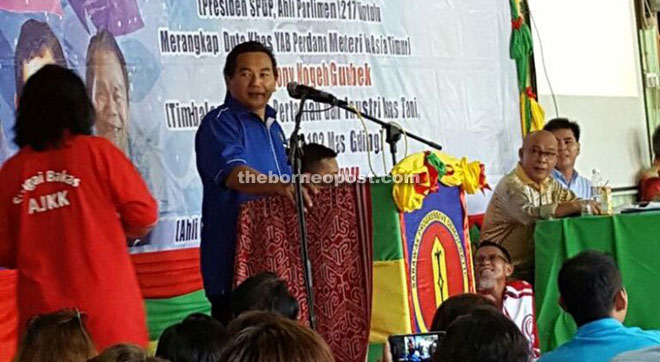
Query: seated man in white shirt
(514, 298)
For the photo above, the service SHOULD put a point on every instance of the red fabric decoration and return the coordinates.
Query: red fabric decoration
(8, 315)
(530, 93)
(517, 23)
(168, 274)
(340, 250)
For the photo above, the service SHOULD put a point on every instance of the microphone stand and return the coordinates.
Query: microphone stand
(392, 131)
(296, 143)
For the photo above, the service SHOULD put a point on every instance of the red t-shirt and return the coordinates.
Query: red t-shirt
(61, 213)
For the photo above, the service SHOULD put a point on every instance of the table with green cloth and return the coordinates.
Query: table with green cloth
(632, 239)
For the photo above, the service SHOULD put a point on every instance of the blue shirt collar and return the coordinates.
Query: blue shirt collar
(598, 325)
(232, 103)
(556, 174)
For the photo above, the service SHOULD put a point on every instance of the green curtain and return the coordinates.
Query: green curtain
(632, 239)
(162, 313)
(520, 50)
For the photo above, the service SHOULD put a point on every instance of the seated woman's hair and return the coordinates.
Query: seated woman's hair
(60, 336)
(483, 335)
(125, 353)
(54, 102)
(259, 336)
(198, 338)
(455, 307)
(265, 292)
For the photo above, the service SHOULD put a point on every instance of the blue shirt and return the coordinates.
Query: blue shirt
(229, 136)
(600, 341)
(580, 186)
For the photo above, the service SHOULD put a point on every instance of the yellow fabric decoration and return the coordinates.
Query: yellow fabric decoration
(391, 311)
(523, 114)
(406, 196)
(409, 196)
(538, 115)
(469, 175)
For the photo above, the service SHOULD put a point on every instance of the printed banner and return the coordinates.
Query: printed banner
(153, 69)
(438, 254)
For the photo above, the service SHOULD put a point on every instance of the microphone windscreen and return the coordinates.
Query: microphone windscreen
(292, 88)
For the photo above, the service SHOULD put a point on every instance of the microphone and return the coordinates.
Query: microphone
(298, 90)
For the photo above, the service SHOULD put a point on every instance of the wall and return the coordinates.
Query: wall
(591, 55)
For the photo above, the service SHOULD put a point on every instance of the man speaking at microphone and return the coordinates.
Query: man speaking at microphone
(235, 144)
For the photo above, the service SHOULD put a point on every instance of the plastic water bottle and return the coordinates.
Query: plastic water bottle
(596, 182)
(600, 192)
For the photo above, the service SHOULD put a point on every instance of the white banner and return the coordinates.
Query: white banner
(440, 69)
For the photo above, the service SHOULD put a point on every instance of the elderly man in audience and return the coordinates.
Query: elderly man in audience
(592, 292)
(649, 184)
(567, 134)
(514, 298)
(525, 195)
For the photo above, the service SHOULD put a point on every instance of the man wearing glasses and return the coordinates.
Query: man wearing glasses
(525, 195)
(515, 298)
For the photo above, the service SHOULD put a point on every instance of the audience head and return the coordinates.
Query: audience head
(265, 292)
(492, 266)
(457, 306)
(60, 336)
(591, 288)
(656, 143)
(567, 134)
(538, 155)
(251, 75)
(125, 353)
(198, 338)
(266, 337)
(36, 46)
(483, 335)
(319, 160)
(54, 102)
(108, 88)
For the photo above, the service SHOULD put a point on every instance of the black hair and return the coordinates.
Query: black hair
(264, 292)
(198, 338)
(483, 335)
(457, 306)
(656, 142)
(54, 100)
(34, 39)
(258, 336)
(247, 47)
(588, 283)
(496, 245)
(104, 41)
(563, 123)
(313, 153)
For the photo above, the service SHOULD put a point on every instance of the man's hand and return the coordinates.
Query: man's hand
(568, 208)
(595, 207)
(288, 190)
(575, 207)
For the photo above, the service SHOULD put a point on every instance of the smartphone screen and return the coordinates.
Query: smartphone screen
(415, 347)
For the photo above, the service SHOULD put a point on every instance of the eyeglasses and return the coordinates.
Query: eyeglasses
(481, 260)
(539, 153)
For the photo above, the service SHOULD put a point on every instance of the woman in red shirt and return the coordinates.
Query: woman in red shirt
(68, 201)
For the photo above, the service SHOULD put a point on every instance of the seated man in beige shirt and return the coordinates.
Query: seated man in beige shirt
(525, 195)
